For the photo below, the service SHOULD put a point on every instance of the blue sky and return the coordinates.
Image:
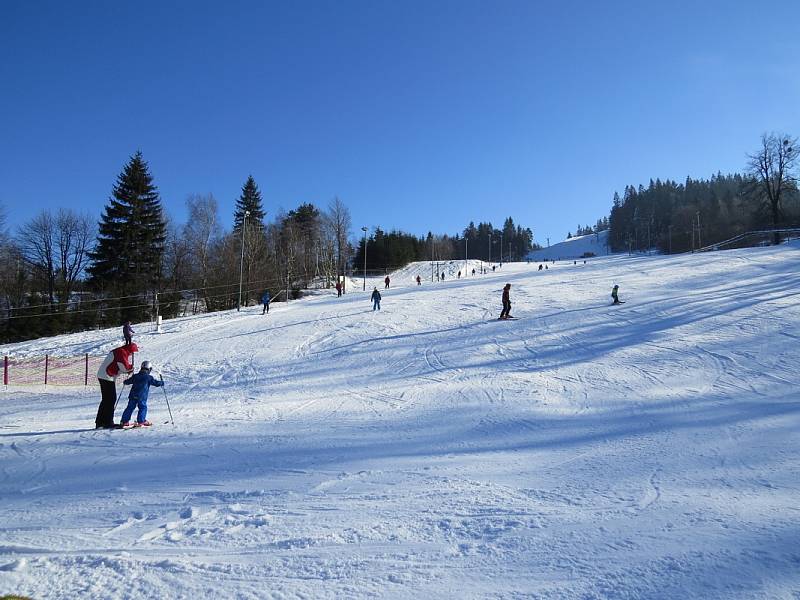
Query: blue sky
(418, 115)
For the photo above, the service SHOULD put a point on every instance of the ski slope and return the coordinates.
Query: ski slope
(648, 450)
(574, 248)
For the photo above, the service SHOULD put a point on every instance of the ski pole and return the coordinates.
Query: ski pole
(120, 396)
(161, 377)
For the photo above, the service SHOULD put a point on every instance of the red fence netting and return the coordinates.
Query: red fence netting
(51, 370)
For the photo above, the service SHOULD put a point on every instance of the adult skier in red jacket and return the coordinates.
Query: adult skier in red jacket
(118, 362)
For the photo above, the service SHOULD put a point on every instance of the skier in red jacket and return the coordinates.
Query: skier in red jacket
(118, 362)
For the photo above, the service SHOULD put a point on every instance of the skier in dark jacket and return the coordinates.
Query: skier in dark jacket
(140, 391)
(127, 332)
(614, 295)
(386, 281)
(265, 301)
(419, 280)
(338, 289)
(506, 312)
(376, 299)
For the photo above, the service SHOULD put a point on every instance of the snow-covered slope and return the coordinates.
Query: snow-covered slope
(325, 451)
(574, 248)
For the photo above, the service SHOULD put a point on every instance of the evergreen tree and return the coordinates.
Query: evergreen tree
(250, 200)
(131, 233)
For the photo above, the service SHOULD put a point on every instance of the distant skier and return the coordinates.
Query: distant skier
(615, 296)
(442, 276)
(419, 280)
(117, 362)
(265, 301)
(459, 274)
(338, 289)
(386, 281)
(493, 268)
(127, 332)
(540, 267)
(473, 272)
(506, 312)
(376, 299)
(140, 390)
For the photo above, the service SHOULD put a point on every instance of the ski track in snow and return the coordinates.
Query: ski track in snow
(428, 450)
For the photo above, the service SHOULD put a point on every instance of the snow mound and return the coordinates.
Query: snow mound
(573, 248)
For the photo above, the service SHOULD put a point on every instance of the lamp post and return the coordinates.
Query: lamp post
(241, 260)
(501, 248)
(490, 251)
(466, 254)
(364, 229)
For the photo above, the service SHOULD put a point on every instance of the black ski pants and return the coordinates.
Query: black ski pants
(105, 412)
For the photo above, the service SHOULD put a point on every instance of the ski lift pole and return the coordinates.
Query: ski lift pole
(161, 377)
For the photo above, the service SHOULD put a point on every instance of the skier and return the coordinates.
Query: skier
(127, 332)
(614, 295)
(506, 312)
(386, 281)
(540, 267)
(473, 272)
(419, 280)
(140, 390)
(265, 301)
(459, 274)
(338, 289)
(118, 361)
(442, 275)
(492, 268)
(376, 299)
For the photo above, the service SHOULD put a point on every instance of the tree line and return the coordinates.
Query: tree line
(64, 271)
(679, 217)
(386, 251)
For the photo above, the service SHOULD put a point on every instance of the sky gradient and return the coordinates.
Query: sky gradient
(418, 115)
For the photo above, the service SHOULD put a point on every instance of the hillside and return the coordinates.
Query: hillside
(428, 451)
(574, 248)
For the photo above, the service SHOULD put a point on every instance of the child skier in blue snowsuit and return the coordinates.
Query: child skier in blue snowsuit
(140, 390)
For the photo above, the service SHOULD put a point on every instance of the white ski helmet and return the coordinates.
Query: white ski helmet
(146, 366)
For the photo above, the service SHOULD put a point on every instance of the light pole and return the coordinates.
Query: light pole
(466, 255)
(501, 248)
(364, 229)
(241, 260)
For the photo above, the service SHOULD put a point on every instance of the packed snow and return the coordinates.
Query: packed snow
(648, 450)
(581, 246)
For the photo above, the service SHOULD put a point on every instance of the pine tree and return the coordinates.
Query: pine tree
(250, 200)
(131, 233)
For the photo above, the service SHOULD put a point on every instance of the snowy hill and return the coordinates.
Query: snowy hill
(573, 248)
(430, 451)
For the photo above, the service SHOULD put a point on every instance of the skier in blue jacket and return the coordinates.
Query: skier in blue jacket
(140, 390)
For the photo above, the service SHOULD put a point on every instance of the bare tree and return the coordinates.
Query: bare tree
(202, 231)
(772, 167)
(37, 240)
(74, 237)
(56, 247)
(340, 223)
